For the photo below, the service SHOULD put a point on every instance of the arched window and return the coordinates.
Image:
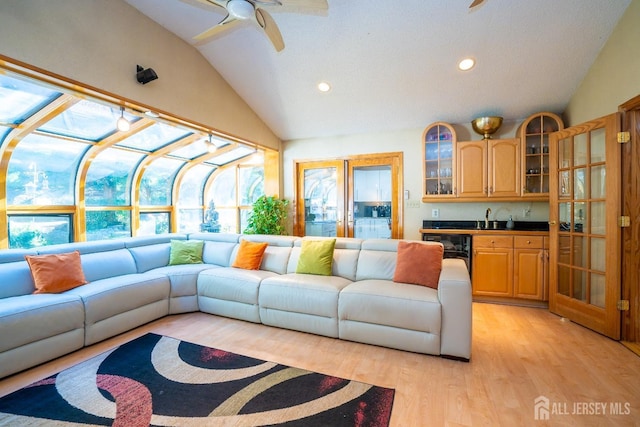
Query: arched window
(190, 202)
(234, 190)
(108, 189)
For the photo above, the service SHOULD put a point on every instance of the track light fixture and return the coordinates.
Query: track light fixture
(211, 147)
(122, 124)
(145, 76)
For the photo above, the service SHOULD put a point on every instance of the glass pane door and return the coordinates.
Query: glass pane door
(320, 201)
(372, 207)
(585, 201)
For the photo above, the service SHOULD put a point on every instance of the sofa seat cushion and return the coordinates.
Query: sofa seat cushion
(30, 318)
(384, 302)
(109, 297)
(232, 284)
(303, 293)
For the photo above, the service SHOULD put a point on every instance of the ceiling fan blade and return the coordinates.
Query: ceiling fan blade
(475, 3)
(227, 23)
(306, 4)
(218, 3)
(307, 7)
(270, 28)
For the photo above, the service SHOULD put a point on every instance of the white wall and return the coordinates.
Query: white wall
(99, 43)
(614, 77)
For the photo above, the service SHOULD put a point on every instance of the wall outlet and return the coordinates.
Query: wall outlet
(435, 213)
(526, 213)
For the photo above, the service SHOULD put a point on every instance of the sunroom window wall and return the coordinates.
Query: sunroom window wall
(69, 174)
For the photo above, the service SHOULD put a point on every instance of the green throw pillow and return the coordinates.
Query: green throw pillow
(316, 257)
(186, 252)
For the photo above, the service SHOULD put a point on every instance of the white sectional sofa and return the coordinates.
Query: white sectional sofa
(131, 283)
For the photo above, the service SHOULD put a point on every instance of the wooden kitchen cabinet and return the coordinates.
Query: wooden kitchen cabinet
(472, 169)
(438, 161)
(534, 135)
(492, 266)
(510, 267)
(529, 267)
(488, 168)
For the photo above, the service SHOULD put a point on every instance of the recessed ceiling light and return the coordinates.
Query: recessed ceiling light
(466, 64)
(324, 87)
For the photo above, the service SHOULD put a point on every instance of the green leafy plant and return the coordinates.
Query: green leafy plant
(268, 216)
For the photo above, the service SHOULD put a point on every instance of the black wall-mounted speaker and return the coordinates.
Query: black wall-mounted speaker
(145, 76)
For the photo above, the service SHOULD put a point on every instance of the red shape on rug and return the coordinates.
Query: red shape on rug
(208, 354)
(133, 400)
(329, 383)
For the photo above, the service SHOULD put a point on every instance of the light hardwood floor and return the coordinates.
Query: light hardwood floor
(518, 355)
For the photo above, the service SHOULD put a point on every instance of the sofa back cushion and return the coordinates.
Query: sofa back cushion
(151, 252)
(15, 275)
(218, 247)
(151, 256)
(377, 259)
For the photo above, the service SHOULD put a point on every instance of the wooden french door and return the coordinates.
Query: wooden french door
(359, 196)
(320, 198)
(373, 195)
(584, 230)
(631, 234)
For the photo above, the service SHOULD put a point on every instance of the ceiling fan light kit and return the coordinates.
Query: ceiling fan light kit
(241, 9)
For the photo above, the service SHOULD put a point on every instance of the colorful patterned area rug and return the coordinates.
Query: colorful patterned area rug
(160, 381)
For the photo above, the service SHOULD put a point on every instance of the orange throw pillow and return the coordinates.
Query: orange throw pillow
(419, 263)
(250, 255)
(56, 273)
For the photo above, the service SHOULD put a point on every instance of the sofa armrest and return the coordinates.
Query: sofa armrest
(454, 293)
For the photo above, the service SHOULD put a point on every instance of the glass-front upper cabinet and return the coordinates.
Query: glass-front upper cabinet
(534, 134)
(438, 143)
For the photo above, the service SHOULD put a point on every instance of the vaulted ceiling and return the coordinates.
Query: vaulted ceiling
(393, 64)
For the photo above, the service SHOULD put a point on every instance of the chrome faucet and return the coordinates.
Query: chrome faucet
(486, 219)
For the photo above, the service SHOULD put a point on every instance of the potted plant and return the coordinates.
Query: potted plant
(268, 216)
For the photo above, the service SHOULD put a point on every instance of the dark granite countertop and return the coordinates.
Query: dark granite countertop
(472, 225)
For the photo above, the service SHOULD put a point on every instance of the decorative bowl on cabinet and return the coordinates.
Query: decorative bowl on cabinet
(486, 126)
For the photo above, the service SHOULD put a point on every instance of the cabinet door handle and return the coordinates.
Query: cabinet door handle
(528, 242)
(485, 190)
(552, 223)
(490, 190)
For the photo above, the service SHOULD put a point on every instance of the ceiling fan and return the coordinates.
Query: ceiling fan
(256, 11)
(476, 3)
